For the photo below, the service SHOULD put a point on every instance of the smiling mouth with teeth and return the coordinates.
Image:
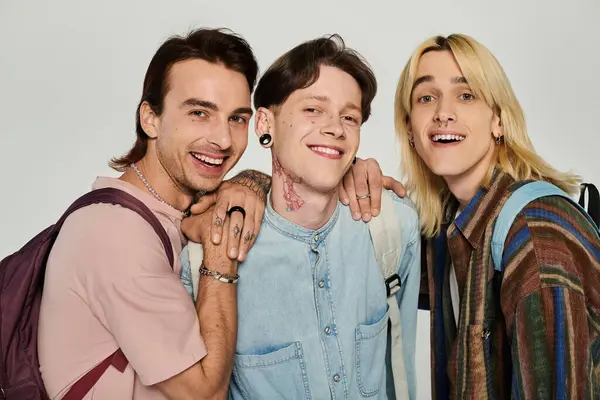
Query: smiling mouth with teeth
(326, 150)
(209, 161)
(447, 138)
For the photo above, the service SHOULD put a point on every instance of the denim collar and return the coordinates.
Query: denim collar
(288, 228)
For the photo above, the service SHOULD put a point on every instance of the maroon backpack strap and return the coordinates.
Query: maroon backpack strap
(117, 197)
(83, 385)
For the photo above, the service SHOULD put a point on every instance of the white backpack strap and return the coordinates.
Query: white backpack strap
(195, 255)
(387, 243)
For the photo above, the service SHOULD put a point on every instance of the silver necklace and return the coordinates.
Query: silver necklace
(152, 191)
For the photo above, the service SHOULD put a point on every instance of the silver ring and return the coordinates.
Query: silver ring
(363, 197)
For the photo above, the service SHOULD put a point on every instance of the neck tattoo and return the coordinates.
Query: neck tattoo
(293, 201)
(153, 192)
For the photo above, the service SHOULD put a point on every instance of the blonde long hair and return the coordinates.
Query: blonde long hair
(516, 156)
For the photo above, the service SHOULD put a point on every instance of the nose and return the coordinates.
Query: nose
(333, 127)
(220, 135)
(445, 112)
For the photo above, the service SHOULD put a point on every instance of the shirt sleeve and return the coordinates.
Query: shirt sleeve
(549, 343)
(544, 300)
(409, 272)
(132, 289)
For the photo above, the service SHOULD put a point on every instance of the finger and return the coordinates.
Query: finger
(252, 206)
(203, 204)
(223, 245)
(375, 184)
(236, 225)
(364, 208)
(246, 237)
(187, 228)
(362, 190)
(343, 195)
(258, 217)
(392, 184)
(219, 214)
(351, 191)
(348, 185)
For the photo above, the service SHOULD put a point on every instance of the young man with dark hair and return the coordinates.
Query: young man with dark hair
(108, 283)
(110, 294)
(312, 301)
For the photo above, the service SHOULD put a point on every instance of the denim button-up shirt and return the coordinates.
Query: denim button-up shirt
(313, 313)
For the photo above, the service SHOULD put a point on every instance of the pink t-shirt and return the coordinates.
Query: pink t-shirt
(109, 285)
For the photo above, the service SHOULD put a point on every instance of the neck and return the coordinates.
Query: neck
(160, 181)
(298, 203)
(465, 186)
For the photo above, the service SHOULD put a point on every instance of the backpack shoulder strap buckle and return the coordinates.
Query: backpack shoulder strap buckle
(392, 284)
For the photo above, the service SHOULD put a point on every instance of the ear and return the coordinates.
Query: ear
(264, 120)
(497, 128)
(149, 120)
(408, 126)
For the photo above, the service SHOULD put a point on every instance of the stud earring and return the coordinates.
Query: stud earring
(498, 139)
(265, 139)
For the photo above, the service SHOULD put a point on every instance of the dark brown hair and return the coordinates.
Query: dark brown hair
(299, 68)
(219, 46)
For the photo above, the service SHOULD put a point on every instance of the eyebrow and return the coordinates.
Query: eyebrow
(243, 110)
(326, 99)
(429, 78)
(193, 102)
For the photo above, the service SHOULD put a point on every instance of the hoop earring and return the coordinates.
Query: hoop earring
(265, 139)
(498, 139)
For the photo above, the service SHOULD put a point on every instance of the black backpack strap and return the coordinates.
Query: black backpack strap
(119, 197)
(423, 302)
(593, 208)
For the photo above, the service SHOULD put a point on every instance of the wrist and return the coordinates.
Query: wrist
(221, 264)
(220, 276)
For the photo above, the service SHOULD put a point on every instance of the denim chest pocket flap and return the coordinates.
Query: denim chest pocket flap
(280, 374)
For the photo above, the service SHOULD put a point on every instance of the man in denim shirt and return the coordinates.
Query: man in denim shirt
(312, 303)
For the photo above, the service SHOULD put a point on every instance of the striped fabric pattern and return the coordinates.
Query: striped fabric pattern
(531, 333)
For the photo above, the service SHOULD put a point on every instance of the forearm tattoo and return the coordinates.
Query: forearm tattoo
(256, 181)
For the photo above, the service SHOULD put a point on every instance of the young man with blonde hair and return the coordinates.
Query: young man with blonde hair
(513, 263)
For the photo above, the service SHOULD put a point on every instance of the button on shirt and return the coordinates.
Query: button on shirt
(313, 313)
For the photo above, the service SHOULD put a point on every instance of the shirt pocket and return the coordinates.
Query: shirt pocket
(371, 343)
(280, 374)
